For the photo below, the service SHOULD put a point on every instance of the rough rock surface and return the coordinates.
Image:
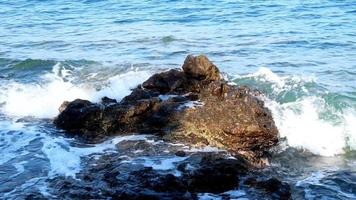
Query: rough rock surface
(124, 175)
(194, 105)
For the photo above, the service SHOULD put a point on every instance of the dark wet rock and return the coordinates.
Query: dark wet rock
(215, 174)
(107, 101)
(170, 81)
(273, 186)
(112, 177)
(194, 106)
(81, 116)
(180, 153)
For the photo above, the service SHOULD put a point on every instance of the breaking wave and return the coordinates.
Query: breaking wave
(43, 98)
(306, 114)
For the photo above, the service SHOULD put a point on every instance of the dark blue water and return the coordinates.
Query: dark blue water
(301, 55)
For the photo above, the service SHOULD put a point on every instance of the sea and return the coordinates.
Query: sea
(300, 54)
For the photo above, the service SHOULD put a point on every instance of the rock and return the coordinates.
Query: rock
(200, 68)
(107, 101)
(63, 106)
(273, 186)
(180, 153)
(215, 175)
(194, 106)
(170, 81)
(81, 116)
(231, 119)
(108, 177)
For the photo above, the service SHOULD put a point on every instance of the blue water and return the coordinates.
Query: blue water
(300, 54)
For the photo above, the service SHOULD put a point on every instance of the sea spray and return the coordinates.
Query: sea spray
(303, 116)
(43, 98)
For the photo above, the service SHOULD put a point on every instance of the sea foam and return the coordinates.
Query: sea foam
(42, 99)
(302, 121)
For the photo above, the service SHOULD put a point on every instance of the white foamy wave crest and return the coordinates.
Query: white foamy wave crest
(43, 100)
(279, 83)
(301, 121)
(301, 124)
(120, 86)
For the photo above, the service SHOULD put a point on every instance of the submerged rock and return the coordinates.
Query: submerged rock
(194, 105)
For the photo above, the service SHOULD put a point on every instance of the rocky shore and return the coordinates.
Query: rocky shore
(153, 169)
(194, 106)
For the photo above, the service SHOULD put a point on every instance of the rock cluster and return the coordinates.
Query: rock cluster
(212, 173)
(194, 105)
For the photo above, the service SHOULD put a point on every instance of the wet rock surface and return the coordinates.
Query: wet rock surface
(138, 171)
(194, 106)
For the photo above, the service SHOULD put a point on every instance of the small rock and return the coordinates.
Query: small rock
(201, 68)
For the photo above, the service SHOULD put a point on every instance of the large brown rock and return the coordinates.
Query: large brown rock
(230, 118)
(194, 106)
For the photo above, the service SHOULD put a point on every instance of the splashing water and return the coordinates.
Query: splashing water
(305, 118)
(43, 99)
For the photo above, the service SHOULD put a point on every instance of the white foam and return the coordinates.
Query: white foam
(279, 83)
(43, 99)
(235, 193)
(120, 85)
(191, 105)
(204, 149)
(266, 74)
(162, 163)
(13, 138)
(40, 101)
(350, 129)
(208, 196)
(300, 121)
(166, 97)
(66, 160)
(313, 179)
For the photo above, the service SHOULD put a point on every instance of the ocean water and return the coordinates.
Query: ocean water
(300, 54)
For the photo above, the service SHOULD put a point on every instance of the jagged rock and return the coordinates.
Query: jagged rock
(82, 117)
(170, 81)
(201, 68)
(195, 106)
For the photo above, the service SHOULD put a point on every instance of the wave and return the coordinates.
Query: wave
(41, 99)
(305, 113)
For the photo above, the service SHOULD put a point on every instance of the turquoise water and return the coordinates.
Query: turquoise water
(301, 55)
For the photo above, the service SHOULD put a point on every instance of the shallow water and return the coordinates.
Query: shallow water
(301, 55)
